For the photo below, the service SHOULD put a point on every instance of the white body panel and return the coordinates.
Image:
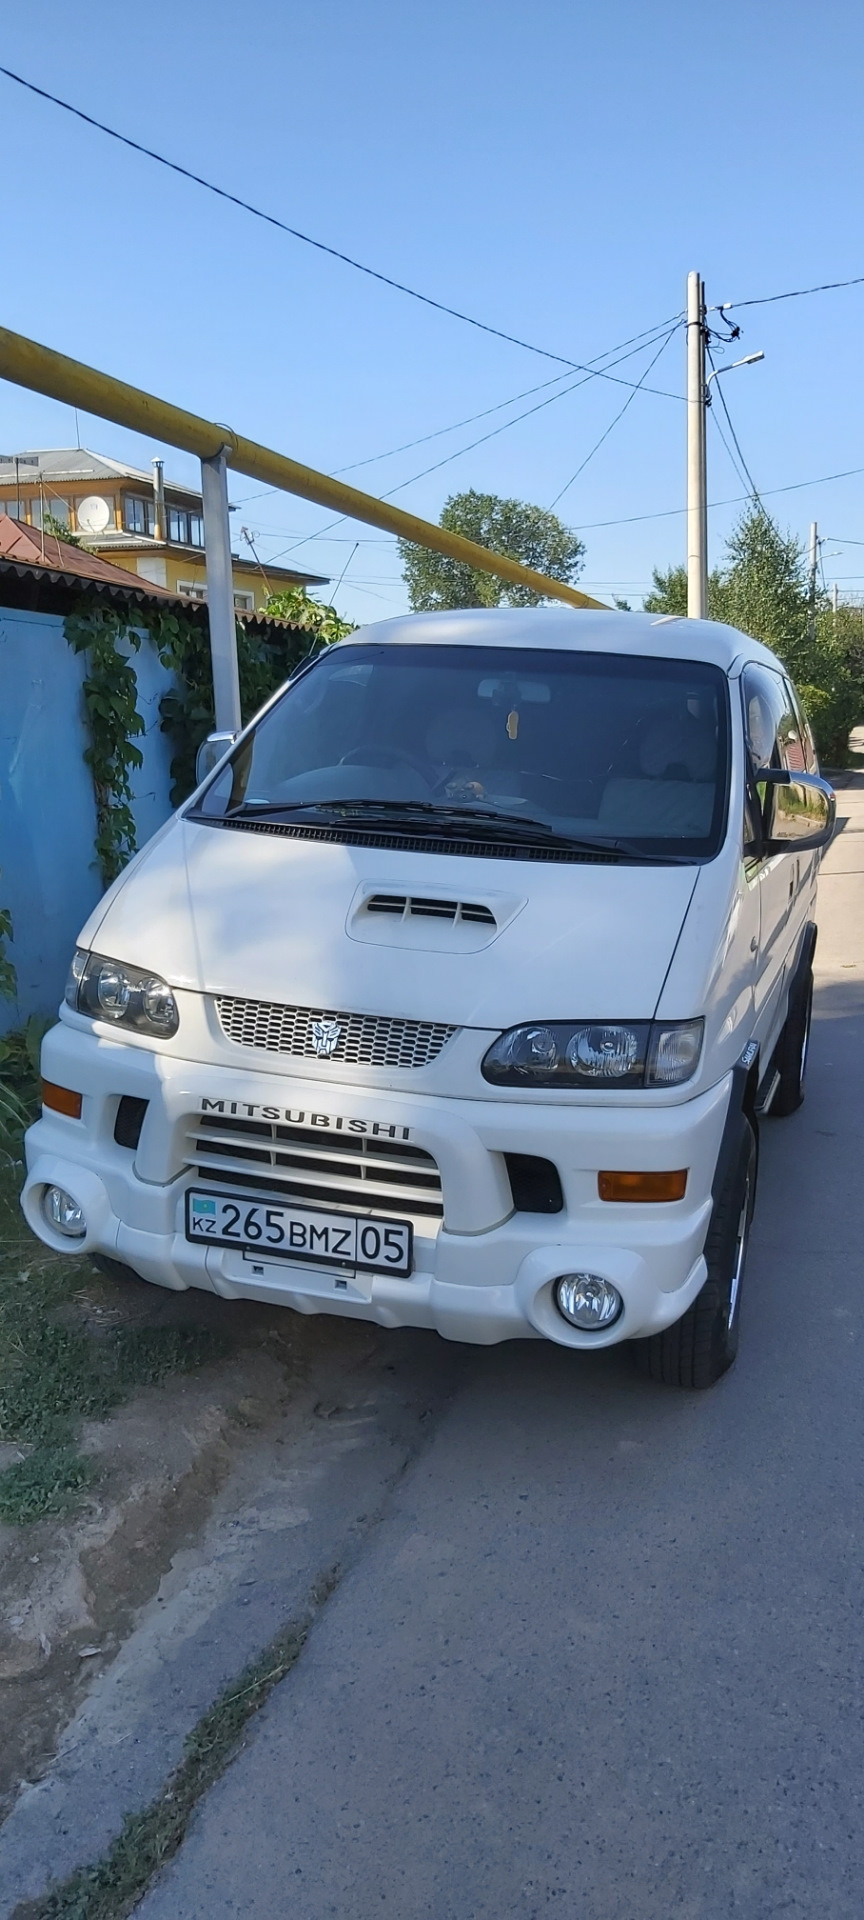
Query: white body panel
(281, 920)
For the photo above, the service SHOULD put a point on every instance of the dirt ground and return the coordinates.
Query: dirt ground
(70, 1586)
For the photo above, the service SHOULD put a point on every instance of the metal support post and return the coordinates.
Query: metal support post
(697, 501)
(220, 594)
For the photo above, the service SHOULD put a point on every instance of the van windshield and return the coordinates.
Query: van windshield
(610, 750)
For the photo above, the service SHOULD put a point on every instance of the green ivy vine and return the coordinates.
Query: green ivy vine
(183, 646)
(8, 978)
(114, 723)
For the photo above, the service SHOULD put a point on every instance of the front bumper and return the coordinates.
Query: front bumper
(484, 1274)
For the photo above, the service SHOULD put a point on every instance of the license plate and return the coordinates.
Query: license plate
(308, 1234)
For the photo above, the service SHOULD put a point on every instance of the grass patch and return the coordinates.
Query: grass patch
(49, 1482)
(54, 1373)
(113, 1887)
(54, 1376)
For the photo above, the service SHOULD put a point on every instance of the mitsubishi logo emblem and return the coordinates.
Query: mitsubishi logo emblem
(326, 1035)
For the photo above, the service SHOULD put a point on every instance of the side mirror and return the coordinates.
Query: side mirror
(210, 753)
(798, 810)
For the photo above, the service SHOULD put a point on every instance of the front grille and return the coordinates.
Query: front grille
(314, 1167)
(361, 1039)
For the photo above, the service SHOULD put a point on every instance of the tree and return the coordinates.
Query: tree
(761, 586)
(669, 593)
(295, 606)
(529, 534)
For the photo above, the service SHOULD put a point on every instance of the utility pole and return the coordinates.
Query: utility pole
(220, 594)
(814, 562)
(697, 492)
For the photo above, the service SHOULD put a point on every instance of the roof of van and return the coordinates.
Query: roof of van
(669, 636)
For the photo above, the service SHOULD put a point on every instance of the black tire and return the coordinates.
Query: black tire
(790, 1058)
(700, 1347)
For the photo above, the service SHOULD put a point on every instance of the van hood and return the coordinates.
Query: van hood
(268, 917)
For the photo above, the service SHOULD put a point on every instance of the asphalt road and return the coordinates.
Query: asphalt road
(602, 1656)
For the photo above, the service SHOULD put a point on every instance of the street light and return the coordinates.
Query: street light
(749, 360)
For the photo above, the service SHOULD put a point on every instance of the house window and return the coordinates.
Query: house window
(185, 529)
(50, 509)
(139, 514)
(16, 509)
(196, 590)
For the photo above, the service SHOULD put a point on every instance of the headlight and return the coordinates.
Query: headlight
(560, 1053)
(127, 996)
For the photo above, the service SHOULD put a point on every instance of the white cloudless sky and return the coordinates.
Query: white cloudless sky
(554, 169)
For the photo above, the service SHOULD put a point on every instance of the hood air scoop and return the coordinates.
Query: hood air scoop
(409, 906)
(429, 922)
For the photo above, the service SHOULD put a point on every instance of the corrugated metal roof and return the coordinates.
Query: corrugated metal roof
(29, 549)
(69, 463)
(25, 551)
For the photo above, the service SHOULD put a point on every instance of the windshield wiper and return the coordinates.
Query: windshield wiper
(518, 828)
(428, 811)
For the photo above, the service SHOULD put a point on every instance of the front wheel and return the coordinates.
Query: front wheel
(702, 1345)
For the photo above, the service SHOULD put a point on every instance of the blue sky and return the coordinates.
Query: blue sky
(554, 169)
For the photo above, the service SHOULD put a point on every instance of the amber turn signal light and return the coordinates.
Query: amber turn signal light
(61, 1100)
(642, 1186)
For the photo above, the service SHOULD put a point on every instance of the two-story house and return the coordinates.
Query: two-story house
(138, 520)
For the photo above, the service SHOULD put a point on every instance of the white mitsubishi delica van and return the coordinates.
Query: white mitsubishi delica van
(454, 996)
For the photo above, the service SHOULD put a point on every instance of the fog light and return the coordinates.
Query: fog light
(587, 1301)
(63, 1213)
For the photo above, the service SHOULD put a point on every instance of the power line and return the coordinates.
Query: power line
(647, 338)
(548, 402)
(671, 513)
(345, 570)
(459, 451)
(619, 416)
(739, 474)
(735, 500)
(797, 293)
(308, 240)
(735, 441)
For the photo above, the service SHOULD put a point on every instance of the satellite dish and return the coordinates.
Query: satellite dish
(93, 514)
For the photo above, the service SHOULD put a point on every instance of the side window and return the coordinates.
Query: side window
(789, 733)
(765, 708)
(808, 744)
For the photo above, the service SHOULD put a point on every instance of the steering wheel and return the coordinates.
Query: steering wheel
(384, 756)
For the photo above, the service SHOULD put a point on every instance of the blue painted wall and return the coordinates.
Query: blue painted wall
(48, 879)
